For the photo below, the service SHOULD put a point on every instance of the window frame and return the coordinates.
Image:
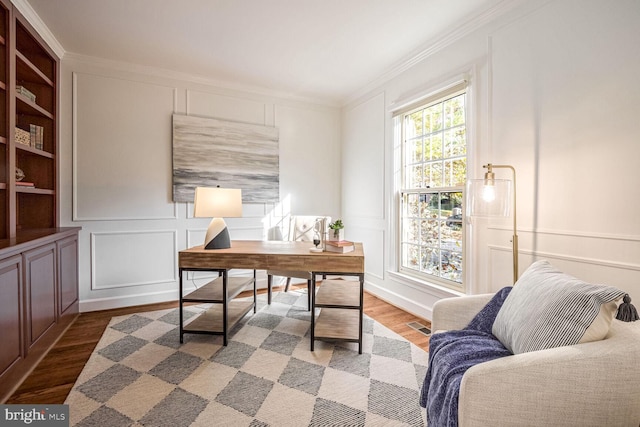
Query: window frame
(398, 116)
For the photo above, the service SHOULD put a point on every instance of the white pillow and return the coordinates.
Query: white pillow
(548, 308)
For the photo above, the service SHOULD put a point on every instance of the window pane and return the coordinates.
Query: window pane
(433, 118)
(454, 142)
(413, 151)
(433, 147)
(413, 125)
(411, 230)
(412, 205)
(411, 254)
(454, 111)
(429, 261)
(430, 232)
(455, 172)
(414, 176)
(433, 174)
(429, 205)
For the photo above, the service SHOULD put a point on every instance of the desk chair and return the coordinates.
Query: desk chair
(301, 228)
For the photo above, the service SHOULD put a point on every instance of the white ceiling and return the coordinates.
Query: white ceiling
(321, 49)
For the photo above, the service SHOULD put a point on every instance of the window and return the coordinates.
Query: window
(434, 169)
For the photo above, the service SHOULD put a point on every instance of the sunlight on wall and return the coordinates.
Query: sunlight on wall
(273, 224)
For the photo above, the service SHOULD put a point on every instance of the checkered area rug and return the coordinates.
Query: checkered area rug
(140, 375)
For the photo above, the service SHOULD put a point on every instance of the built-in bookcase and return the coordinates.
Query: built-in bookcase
(38, 259)
(28, 164)
(4, 119)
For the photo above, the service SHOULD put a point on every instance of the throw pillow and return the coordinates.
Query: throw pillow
(547, 308)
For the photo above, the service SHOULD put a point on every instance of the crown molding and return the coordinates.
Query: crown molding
(437, 45)
(38, 24)
(164, 73)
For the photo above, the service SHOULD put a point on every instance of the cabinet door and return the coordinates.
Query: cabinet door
(11, 311)
(40, 282)
(68, 272)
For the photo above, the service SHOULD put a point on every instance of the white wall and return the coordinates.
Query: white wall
(116, 172)
(554, 92)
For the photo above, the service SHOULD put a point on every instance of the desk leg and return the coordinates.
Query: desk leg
(180, 298)
(225, 308)
(255, 294)
(313, 309)
(361, 312)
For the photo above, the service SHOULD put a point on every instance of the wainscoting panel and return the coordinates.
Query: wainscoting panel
(365, 160)
(121, 156)
(595, 258)
(133, 258)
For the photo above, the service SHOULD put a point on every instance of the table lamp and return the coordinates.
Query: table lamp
(216, 203)
(490, 197)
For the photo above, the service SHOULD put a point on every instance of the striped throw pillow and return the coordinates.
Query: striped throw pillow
(548, 308)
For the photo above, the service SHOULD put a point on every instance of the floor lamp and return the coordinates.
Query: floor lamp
(216, 203)
(489, 197)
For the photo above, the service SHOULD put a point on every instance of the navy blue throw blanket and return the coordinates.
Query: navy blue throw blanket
(451, 354)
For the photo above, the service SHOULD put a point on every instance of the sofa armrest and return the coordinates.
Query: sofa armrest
(456, 313)
(591, 384)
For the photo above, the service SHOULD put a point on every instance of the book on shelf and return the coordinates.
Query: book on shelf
(26, 93)
(339, 246)
(25, 184)
(36, 136)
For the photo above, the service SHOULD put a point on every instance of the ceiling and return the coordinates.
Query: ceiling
(326, 50)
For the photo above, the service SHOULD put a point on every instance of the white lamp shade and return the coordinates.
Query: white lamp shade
(489, 198)
(216, 202)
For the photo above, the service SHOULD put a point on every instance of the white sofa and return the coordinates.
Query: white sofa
(590, 384)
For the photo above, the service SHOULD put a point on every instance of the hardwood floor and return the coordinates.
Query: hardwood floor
(53, 378)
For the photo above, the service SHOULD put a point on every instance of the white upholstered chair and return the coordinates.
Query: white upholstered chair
(589, 384)
(301, 228)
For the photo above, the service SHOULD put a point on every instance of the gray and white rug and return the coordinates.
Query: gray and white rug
(140, 375)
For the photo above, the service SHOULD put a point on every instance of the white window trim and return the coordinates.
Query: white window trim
(405, 103)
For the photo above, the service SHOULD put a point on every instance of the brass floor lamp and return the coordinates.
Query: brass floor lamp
(489, 197)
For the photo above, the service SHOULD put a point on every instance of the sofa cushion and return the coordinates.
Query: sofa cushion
(548, 308)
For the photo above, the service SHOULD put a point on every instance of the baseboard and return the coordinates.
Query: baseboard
(399, 301)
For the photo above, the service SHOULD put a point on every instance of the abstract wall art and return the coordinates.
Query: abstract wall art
(210, 152)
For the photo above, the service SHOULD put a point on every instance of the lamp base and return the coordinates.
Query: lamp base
(217, 236)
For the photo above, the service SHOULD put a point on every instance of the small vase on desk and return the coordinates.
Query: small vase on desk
(336, 235)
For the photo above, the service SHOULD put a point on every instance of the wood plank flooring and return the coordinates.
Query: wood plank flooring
(52, 379)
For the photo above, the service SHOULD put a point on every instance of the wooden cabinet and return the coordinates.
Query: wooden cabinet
(11, 315)
(67, 250)
(28, 127)
(40, 284)
(38, 299)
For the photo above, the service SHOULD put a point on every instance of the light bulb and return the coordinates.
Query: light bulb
(489, 193)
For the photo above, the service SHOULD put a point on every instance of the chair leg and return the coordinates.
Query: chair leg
(286, 287)
(309, 295)
(269, 284)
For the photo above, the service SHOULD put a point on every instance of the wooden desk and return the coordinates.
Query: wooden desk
(293, 256)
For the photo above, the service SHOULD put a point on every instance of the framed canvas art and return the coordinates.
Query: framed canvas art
(211, 152)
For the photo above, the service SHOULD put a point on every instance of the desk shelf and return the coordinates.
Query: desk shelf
(337, 324)
(341, 310)
(225, 313)
(213, 291)
(212, 320)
